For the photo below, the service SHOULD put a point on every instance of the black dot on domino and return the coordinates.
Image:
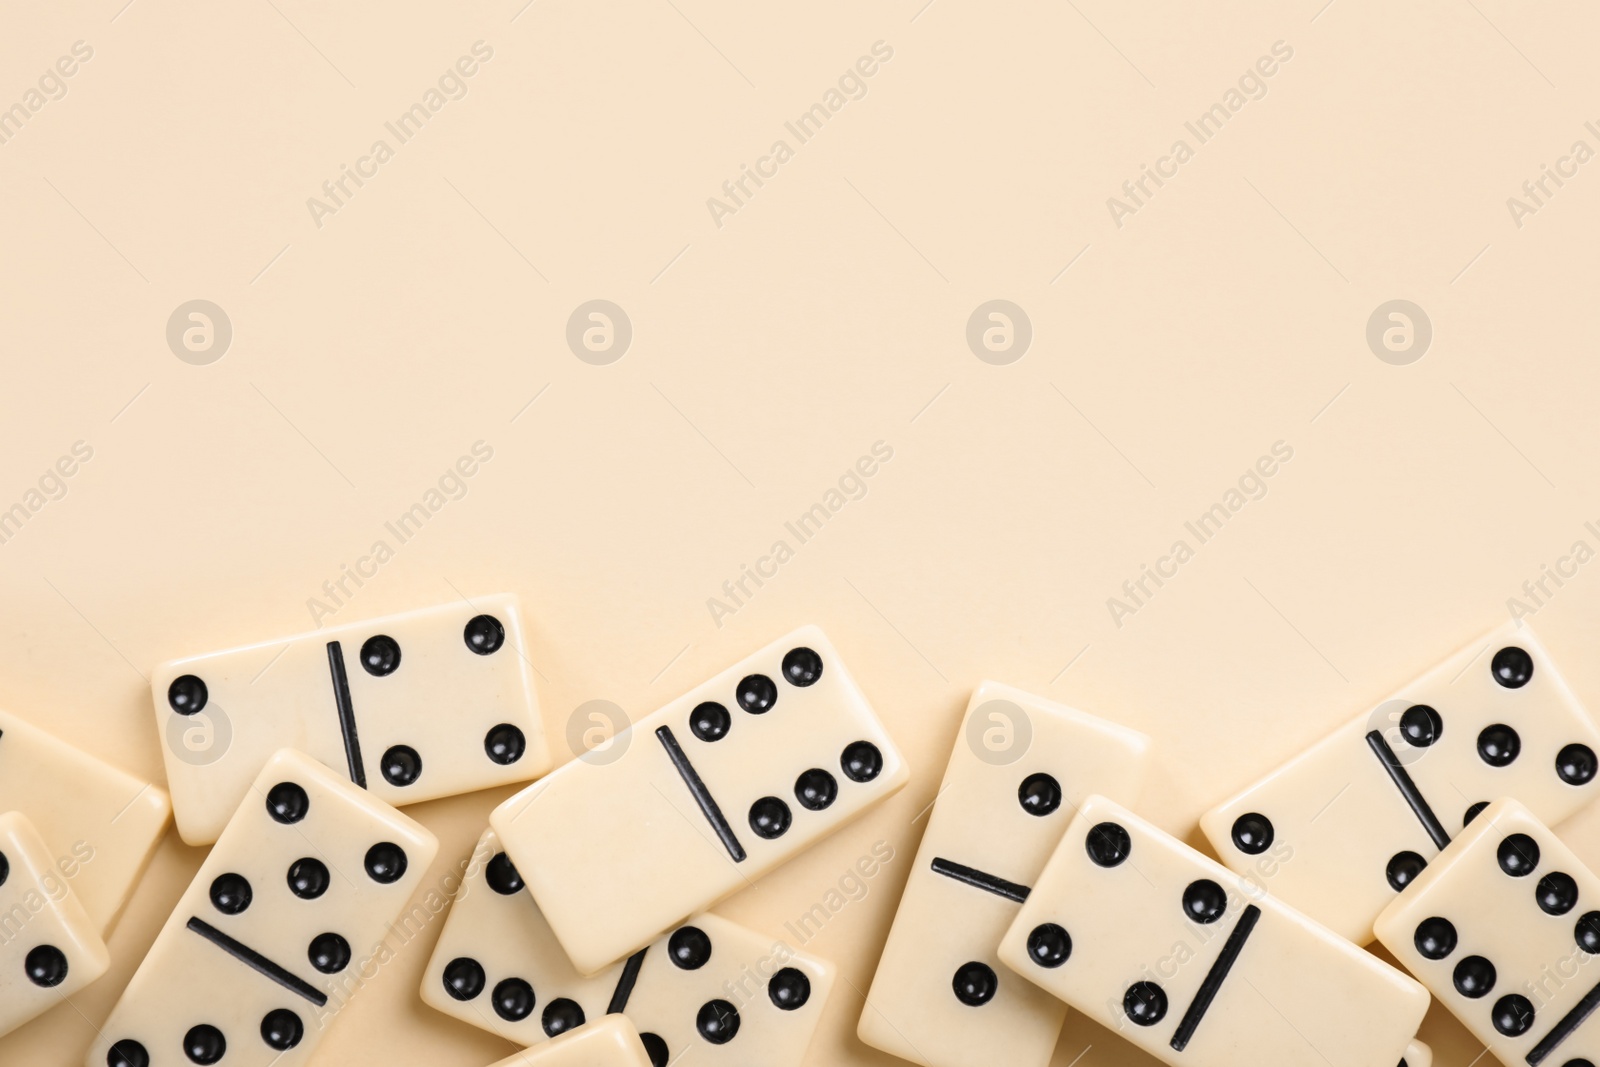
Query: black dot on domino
(1512, 1015)
(815, 789)
(655, 1048)
(1499, 745)
(401, 765)
(802, 667)
(1403, 869)
(204, 1044)
(717, 1021)
(187, 694)
(380, 655)
(1039, 794)
(308, 878)
(484, 634)
(1586, 932)
(287, 803)
(1252, 833)
(1556, 893)
(282, 1029)
(1518, 855)
(230, 893)
(1472, 812)
(770, 818)
(45, 966)
(1049, 945)
(756, 694)
(127, 1053)
(1204, 901)
(1576, 764)
(329, 953)
(689, 948)
(513, 1000)
(1420, 726)
(1108, 844)
(385, 862)
(975, 984)
(861, 761)
(789, 989)
(463, 978)
(1145, 1003)
(1435, 938)
(1474, 976)
(710, 721)
(504, 744)
(5, 868)
(502, 875)
(1512, 667)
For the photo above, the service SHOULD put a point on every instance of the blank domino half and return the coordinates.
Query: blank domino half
(286, 919)
(49, 946)
(611, 1042)
(1020, 767)
(710, 993)
(100, 824)
(414, 707)
(708, 794)
(1197, 966)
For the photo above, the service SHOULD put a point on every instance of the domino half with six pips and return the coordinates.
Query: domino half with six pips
(100, 824)
(1343, 827)
(414, 707)
(708, 794)
(711, 993)
(280, 926)
(1196, 965)
(1019, 769)
(49, 946)
(1504, 928)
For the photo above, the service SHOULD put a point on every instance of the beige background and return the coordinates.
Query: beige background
(828, 313)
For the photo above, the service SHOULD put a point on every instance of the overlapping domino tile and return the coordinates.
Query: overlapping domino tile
(1347, 824)
(1019, 769)
(708, 794)
(709, 993)
(101, 825)
(1194, 964)
(415, 706)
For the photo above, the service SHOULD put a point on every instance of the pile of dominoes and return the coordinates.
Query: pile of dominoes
(580, 928)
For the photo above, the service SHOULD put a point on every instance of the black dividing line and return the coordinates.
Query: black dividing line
(1563, 1029)
(981, 880)
(624, 990)
(1215, 977)
(347, 715)
(1408, 789)
(257, 962)
(702, 795)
